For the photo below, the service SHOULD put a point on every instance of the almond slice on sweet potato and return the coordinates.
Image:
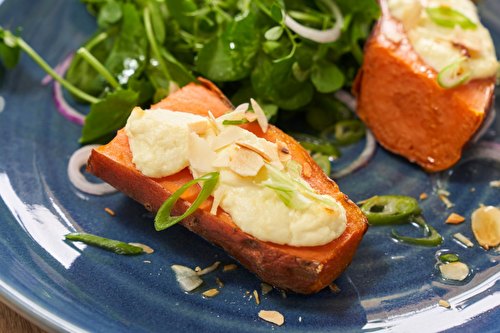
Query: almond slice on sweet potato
(300, 269)
(400, 99)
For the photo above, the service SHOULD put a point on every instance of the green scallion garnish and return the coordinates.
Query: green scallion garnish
(447, 17)
(163, 220)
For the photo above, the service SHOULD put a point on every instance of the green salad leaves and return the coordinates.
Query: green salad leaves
(142, 49)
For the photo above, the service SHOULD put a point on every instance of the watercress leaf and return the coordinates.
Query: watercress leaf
(179, 9)
(157, 21)
(9, 50)
(274, 33)
(326, 77)
(108, 115)
(231, 56)
(81, 74)
(180, 74)
(110, 13)
(144, 88)
(130, 50)
(299, 74)
(274, 49)
(160, 94)
(276, 13)
(274, 82)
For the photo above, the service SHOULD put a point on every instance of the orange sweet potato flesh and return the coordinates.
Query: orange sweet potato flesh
(409, 113)
(300, 269)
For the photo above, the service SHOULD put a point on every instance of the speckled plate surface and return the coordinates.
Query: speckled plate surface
(63, 287)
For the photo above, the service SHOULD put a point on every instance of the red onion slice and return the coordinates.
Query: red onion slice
(347, 99)
(363, 159)
(319, 36)
(64, 108)
(76, 162)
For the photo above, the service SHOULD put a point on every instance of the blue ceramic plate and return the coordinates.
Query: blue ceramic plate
(64, 287)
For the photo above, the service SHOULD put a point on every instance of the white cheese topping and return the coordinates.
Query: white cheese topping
(440, 46)
(162, 145)
(159, 140)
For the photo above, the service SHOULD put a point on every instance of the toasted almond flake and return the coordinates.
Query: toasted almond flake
(261, 116)
(333, 287)
(245, 162)
(446, 201)
(222, 160)
(144, 248)
(394, 36)
(271, 149)
(219, 282)
(250, 116)
(226, 138)
(464, 240)
(307, 170)
(272, 316)
(247, 293)
(209, 269)
(444, 304)
(456, 271)
(455, 219)
(242, 107)
(485, 223)
(423, 196)
(199, 127)
(147, 261)
(266, 288)
(218, 194)
(211, 293)
(230, 267)
(200, 155)
(109, 211)
(495, 183)
(443, 192)
(256, 296)
(235, 115)
(254, 148)
(213, 123)
(364, 201)
(187, 278)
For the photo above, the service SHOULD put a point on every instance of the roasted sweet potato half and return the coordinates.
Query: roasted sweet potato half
(400, 99)
(300, 269)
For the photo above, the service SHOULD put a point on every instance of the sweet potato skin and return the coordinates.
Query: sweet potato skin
(409, 113)
(300, 269)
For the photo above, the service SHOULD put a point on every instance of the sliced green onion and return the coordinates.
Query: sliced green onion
(390, 209)
(455, 74)
(105, 243)
(449, 257)
(447, 17)
(345, 132)
(163, 219)
(228, 122)
(293, 169)
(433, 238)
(292, 192)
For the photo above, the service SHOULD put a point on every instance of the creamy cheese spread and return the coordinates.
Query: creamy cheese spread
(440, 46)
(164, 142)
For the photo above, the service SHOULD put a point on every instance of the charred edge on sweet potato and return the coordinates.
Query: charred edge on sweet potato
(300, 269)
